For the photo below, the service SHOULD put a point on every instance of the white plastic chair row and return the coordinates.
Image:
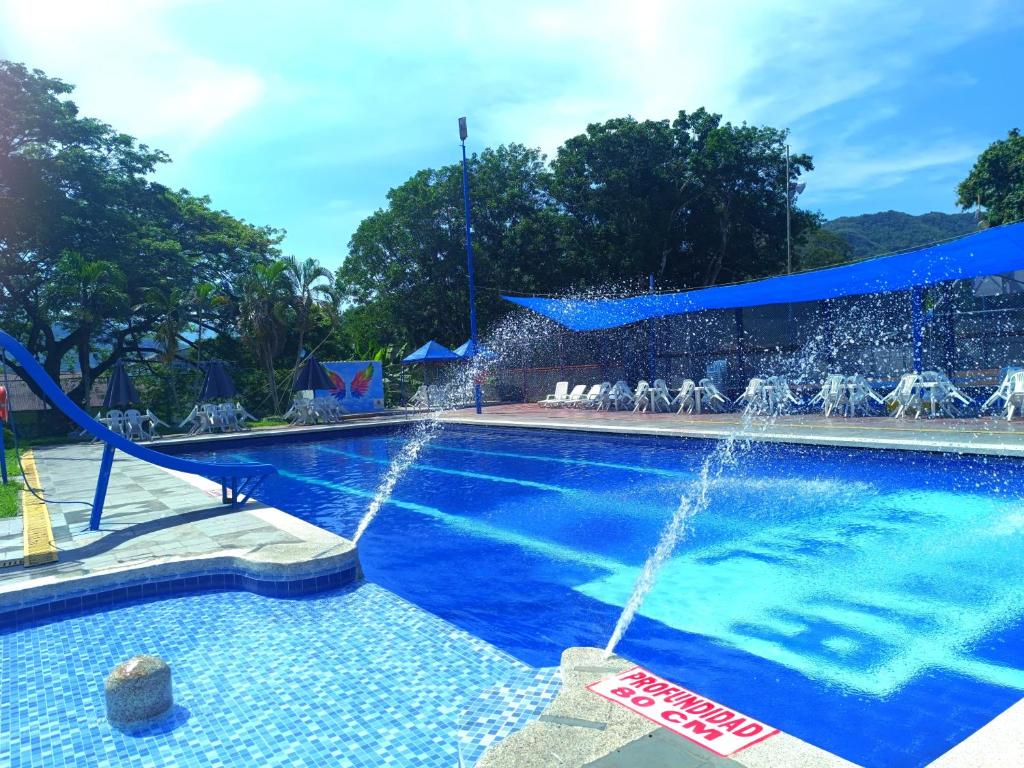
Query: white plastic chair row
(132, 424)
(317, 410)
(932, 388)
(767, 396)
(853, 394)
(216, 417)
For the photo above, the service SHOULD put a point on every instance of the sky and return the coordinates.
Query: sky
(302, 115)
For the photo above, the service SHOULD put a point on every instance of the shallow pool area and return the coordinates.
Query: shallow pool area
(864, 601)
(353, 678)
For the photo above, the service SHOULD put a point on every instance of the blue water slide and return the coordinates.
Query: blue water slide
(238, 481)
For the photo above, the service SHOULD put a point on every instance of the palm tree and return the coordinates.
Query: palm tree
(311, 288)
(204, 299)
(172, 312)
(262, 316)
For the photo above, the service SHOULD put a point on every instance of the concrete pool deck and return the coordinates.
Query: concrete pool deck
(986, 436)
(160, 526)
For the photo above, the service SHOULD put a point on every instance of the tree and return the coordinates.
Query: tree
(263, 317)
(693, 202)
(996, 182)
(822, 248)
(86, 236)
(311, 288)
(405, 272)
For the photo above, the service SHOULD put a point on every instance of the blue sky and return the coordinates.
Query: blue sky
(303, 114)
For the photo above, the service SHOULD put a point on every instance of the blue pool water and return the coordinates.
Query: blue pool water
(353, 678)
(868, 602)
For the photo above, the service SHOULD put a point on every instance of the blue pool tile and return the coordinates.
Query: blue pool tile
(354, 676)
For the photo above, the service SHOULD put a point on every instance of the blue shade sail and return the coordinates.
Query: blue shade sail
(431, 352)
(991, 252)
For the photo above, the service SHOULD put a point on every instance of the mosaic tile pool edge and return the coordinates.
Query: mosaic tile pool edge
(85, 600)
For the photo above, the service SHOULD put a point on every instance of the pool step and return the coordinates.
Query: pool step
(504, 708)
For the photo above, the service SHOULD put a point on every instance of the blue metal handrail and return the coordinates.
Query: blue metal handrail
(228, 475)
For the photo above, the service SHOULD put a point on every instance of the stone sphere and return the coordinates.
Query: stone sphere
(138, 689)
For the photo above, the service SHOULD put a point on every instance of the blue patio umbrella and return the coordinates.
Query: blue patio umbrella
(120, 390)
(469, 350)
(217, 383)
(312, 376)
(431, 352)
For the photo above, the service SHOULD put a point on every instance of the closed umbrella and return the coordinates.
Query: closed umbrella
(312, 376)
(217, 383)
(120, 391)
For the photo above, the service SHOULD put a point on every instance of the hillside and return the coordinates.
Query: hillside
(873, 234)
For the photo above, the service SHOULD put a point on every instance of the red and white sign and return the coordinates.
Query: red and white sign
(690, 715)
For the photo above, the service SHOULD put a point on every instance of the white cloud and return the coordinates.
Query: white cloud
(130, 68)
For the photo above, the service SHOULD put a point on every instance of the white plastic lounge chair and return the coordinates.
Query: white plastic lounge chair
(596, 396)
(905, 397)
(577, 395)
(685, 400)
(558, 397)
(587, 400)
(711, 398)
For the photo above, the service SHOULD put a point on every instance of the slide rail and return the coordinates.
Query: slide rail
(238, 480)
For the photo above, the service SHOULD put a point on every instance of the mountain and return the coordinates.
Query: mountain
(874, 234)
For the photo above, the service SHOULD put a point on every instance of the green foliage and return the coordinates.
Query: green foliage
(694, 201)
(874, 234)
(996, 182)
(822, 248)
(87, 240)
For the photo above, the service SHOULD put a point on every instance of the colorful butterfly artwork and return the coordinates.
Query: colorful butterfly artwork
(338, 388)
(361, 381)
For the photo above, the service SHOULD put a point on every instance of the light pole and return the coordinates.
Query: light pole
(463, 133)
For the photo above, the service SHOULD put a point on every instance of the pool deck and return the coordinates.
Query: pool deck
(159, 526)
(986, 436)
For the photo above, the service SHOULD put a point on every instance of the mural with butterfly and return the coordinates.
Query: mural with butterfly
(358, 384)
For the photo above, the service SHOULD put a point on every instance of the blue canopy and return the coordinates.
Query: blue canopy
(312, 376)
(217, 384)
(990, 252)
(121, 391)
(431, 352)
(467, 349)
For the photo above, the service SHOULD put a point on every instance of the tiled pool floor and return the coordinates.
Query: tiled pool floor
(351, 678)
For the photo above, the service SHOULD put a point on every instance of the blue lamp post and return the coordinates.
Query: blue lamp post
(463, 133)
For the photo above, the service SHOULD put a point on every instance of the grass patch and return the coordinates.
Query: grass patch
(9, 493)
(269, 423)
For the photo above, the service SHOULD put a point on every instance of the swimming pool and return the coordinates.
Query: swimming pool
(868, 602)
